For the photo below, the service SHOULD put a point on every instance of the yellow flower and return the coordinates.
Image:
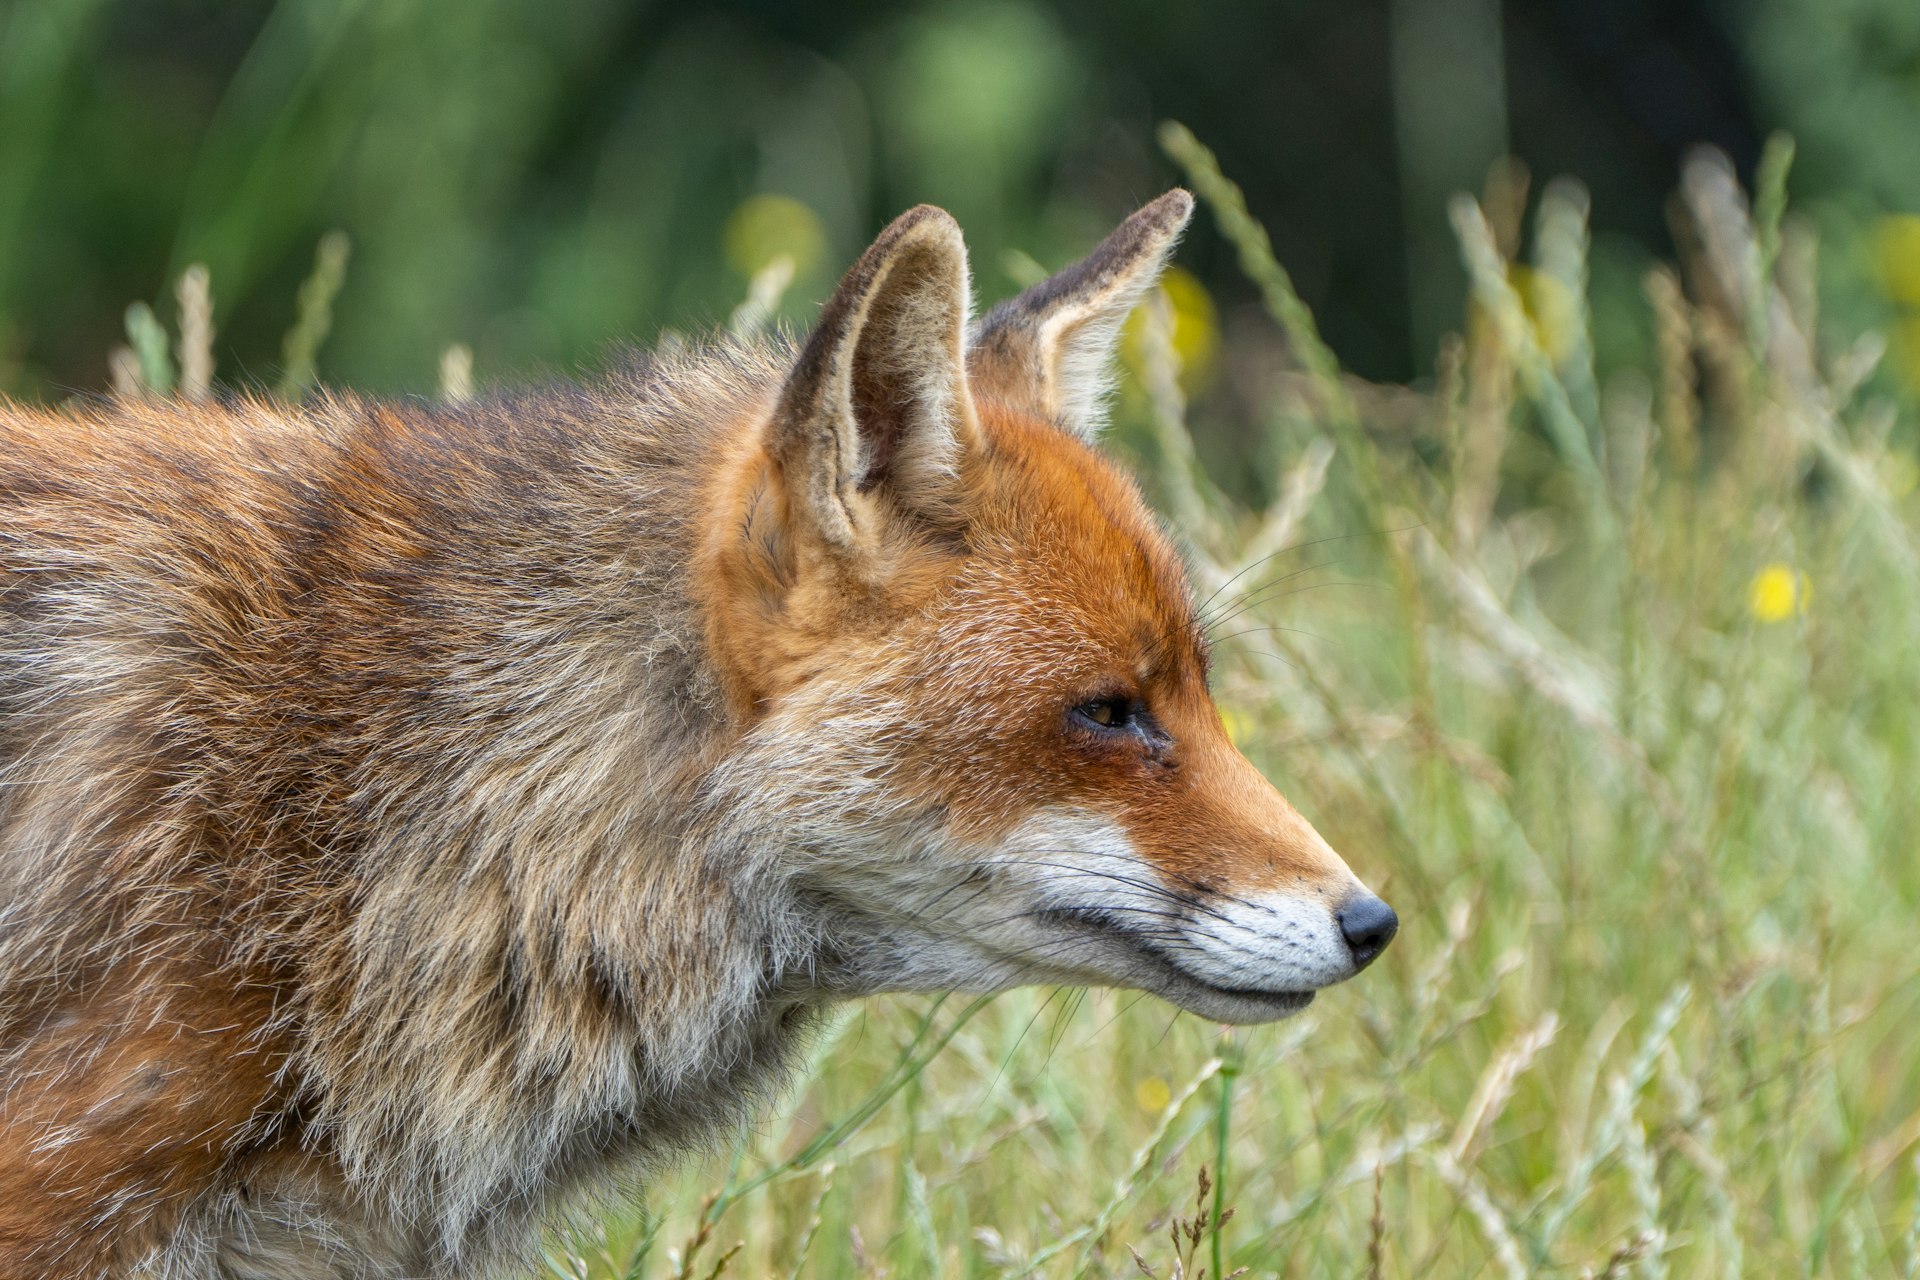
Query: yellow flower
(766, 227)
(1152, 1094)
(1552, 308)
(1236, 726)
(1196, 328)
(1896, 254)
(1895, 245)
(1778, 592)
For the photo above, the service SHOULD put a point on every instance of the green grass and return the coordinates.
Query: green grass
(1610, 687)
(1647, 811)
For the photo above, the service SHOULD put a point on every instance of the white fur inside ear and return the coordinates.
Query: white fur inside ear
(1079, 350)
(913, 341)
(894, 414)
(1051, 350)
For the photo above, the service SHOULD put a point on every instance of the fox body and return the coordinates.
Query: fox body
(414, 819)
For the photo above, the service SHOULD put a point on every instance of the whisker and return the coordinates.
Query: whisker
(1207, 618)
(1251, 565)
(1255, 602)
(1271, 626)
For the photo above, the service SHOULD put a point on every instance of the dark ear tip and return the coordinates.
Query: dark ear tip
(922, 232)
(922, 222)
(1171, 211)
(920, 212)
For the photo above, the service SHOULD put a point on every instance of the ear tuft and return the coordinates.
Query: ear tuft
(1050, 349)
(875, 413)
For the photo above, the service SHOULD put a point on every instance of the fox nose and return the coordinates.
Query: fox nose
(1368, 925)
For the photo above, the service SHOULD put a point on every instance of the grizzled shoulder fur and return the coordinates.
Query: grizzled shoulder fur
(255, 663)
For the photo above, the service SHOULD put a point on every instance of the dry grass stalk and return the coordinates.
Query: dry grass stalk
(123, 367)
(1561, 245)
(1501, 304)
(764, 291)
(1377, 1228)
(1673, 347)
(864, 1264)
(1623, 1091)
(814, 1219)
(1479, 1203)
(1281, 524)
(1504, 197)
(1643, 1175)
(1910, 1247)
(1544, 657)
(684, 1257)
(313, 317)
(1692, 1136)
(1185, 1235)
(456, 374)
(1480, 441)
(195, 349)
(1619, 1260)
(1160, 377)
(1123, 1189)
(1257, 260)
(1438, 970)
(1496, 1086)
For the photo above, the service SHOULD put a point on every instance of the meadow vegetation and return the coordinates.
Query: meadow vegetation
(1609, 687)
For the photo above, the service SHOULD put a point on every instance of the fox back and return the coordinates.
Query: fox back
(414, 820)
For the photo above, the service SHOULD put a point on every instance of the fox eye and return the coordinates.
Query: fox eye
(1108, 713)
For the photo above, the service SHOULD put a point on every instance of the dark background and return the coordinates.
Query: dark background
(540, 179)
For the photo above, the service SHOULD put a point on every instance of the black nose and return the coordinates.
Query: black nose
(1368, 925)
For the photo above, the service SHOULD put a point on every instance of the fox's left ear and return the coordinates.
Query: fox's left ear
(875, 419)
(1050, 350)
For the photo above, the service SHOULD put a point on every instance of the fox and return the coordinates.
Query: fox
(417, 820)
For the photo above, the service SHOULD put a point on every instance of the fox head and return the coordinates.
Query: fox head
(966, 665)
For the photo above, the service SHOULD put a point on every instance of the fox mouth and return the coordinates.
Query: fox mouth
(1176, 984)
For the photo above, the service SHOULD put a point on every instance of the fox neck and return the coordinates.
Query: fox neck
(608, 947)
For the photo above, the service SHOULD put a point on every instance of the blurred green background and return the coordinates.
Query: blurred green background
(540, 179)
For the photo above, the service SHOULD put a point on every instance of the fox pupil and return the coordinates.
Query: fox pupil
(1108, 713)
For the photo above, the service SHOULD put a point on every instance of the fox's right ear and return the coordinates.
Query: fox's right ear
(1049, 351)
(875, 418)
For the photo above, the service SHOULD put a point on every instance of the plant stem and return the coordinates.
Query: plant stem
(1222, 1126)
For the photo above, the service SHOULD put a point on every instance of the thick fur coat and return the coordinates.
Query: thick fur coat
(414, 819)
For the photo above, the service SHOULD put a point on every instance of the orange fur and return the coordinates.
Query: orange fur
(414, 820)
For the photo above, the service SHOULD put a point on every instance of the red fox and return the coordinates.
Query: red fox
(414, 818)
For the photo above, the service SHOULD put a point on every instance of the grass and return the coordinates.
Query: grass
(1617, 707)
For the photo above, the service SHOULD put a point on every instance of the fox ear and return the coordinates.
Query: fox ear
(876, 410)
(1050, 350)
